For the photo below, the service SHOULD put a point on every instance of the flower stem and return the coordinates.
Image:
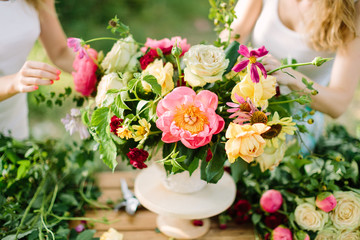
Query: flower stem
(101, 38)
(282, 102)
(38, 190)
(289, 65)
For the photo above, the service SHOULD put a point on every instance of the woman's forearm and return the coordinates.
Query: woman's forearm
(7, 89)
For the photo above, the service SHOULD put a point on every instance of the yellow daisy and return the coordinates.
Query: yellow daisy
(142, 130)
(279, 129)
(124, 132)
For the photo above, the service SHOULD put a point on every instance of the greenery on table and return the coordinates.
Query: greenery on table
(333, 166)
(42, 186)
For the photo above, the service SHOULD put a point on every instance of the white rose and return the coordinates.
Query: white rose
(346, 215)
(112, 234)
(163, 75)
(111, 81)
(308, 218)
(204, 64)
(122, 56)
(330, 233)
(271, 157)
(349, 235)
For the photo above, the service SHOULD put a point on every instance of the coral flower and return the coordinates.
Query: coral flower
(252, 59)
(85, 75)
(189, 118)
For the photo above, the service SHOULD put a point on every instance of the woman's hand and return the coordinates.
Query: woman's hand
(32, 74)
(282, 78)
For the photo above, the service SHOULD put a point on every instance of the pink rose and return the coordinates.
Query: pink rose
(188, 117)
(281, 233)
(166, 45)
(271, 201)
(326, 201)
(85, 77)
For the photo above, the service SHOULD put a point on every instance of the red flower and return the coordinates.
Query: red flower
(138, 157)
(115, 123)
(241, 218)
(274, 220)
(242, 206)
(148, 58)
(209, 155)
(198, 223)
(267, 236)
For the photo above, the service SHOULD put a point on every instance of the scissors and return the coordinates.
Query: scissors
(130, 202)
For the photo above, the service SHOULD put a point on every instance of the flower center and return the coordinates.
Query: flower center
(245, 107)
(190, 118)
(273, 132)
(252, 59)
(259, 117)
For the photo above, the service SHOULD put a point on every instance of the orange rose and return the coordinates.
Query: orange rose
(245, 141)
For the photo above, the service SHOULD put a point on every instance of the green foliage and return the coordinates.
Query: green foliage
(333, 166)
(42, 186)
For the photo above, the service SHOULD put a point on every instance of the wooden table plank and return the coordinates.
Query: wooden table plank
(143, 224)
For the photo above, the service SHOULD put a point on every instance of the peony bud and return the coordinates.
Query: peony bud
(281, 233)
(318, 61)
(271, 201)
(326, 201)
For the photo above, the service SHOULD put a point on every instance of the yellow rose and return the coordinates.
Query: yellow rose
(112, 234)
(259, 93)
(271, 157)
(245, 141)
(308, 218)
(346, 215)
(163, 75)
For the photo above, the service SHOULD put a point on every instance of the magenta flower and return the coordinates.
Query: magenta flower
(271, 201)
(326, 201)
(75, 44)
(252, 59)
(188, 117)
(85, 75)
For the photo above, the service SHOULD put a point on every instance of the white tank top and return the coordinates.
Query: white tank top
(19, 28)
(283, 42)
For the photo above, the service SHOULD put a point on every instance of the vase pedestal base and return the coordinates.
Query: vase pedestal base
(181, 228)
(176, 210)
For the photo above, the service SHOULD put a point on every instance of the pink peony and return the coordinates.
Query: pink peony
(271, 201)
(326, 201)
(85, 77)
(189, 118)
(281, 233)
(166, 45)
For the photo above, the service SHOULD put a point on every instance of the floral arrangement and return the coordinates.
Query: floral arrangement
(306, 197)
(202, 104)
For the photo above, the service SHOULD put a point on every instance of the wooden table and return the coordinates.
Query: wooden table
(143, 224)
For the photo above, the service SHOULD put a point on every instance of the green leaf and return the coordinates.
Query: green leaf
(132, 83)
(86, 235)
(68, 199)
(238, 168)
(232, 54)
(22, 169)
(108, 153)
(100, 117)
(255, 218)
(215, 168)
(113, 90)
(141, 105)
(119, 102)
(151, 80)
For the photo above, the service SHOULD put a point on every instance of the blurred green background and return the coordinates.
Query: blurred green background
(146, 18)
(88, 19)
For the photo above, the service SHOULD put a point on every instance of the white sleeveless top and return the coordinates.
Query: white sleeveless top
(19, 27)
(283, 42)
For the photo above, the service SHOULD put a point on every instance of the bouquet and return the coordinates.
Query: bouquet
(202, 104)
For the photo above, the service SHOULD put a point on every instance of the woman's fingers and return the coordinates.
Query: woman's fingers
(26, 88)
(36, 81)
(42, 66)
(37, 73)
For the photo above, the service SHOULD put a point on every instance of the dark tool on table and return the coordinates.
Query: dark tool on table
(130, 202)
